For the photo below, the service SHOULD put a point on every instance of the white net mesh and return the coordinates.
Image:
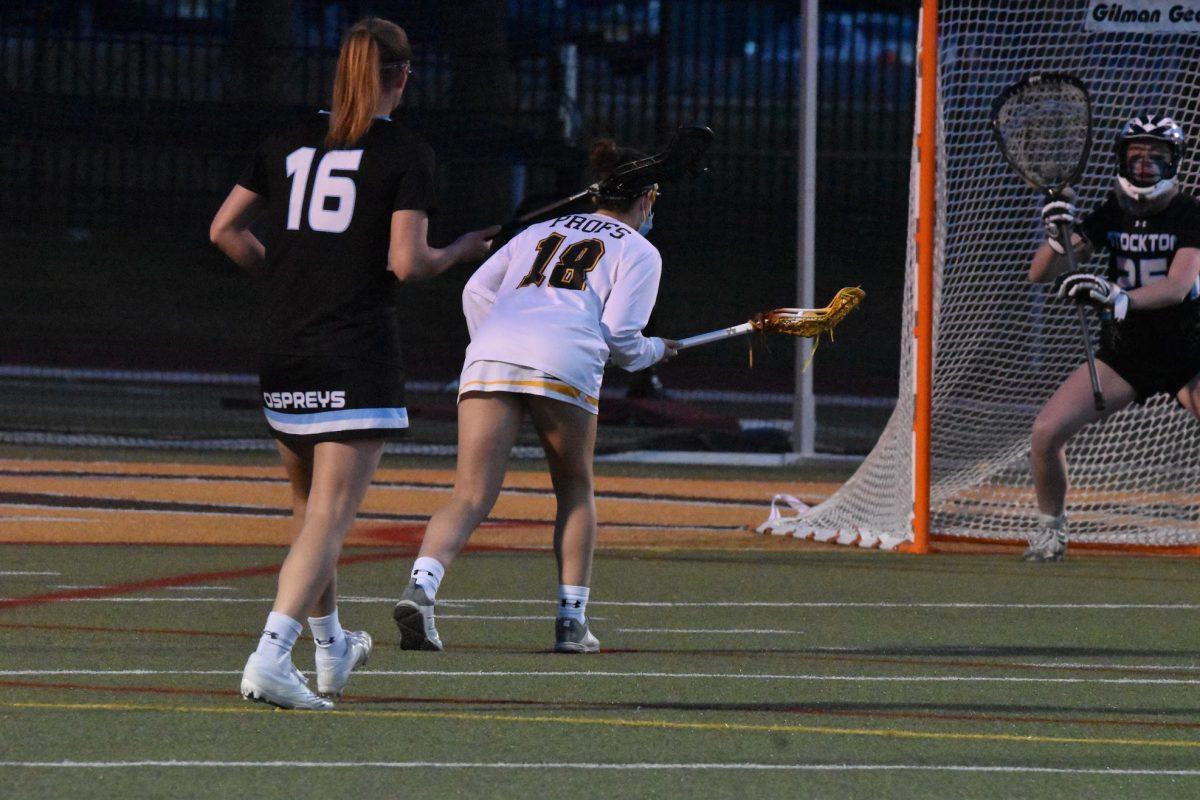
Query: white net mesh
(1003, 345)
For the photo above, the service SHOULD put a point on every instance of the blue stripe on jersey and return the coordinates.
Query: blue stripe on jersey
(343, 420)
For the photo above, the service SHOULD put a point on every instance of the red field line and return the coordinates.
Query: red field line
(397, 534)
(179, 580)
(953, 545)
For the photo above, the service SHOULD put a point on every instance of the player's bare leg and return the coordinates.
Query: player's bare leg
(298, 464)
(1189, 397)
(341, 474)
(1068, 410)
(568, 435)
(327, 488)
(488, 424)
(338, 651)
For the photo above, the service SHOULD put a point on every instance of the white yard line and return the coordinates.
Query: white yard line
(1084, 665)
(500, 618)
(199, 588)
(897, 606)
(703, 630)
(591, 765)
(739, 676)
(24, 572)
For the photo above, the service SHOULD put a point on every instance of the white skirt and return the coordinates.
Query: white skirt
(500, 376)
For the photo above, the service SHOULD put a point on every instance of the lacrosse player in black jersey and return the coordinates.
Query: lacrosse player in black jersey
(347, 196)
(1149, 305)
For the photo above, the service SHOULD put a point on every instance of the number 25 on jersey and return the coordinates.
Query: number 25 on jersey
(326, 186)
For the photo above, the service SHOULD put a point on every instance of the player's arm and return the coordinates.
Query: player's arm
(412, 259)
(627, 311)
(230, 230)
(1174, 289)
(1050, 259)
(1104, 294)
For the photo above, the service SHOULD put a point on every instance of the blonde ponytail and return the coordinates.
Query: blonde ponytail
(371, 47)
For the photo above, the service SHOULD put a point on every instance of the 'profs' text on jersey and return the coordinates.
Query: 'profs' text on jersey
(563, 297)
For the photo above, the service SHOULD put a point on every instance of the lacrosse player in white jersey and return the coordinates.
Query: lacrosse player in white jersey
(1149, 304)
(545, 314)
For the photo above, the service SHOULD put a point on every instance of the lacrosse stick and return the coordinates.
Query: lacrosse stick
(680, 159)
(807, 322)
(1043, 125)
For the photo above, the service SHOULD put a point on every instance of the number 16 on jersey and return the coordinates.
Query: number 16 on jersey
(326, 186)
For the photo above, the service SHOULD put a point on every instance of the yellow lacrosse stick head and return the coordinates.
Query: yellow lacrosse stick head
(810, 322)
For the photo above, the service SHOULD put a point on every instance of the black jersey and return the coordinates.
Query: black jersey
(1140, 251)
(330, 217)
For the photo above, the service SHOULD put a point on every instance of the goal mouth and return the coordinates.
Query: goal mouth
(1001, 346)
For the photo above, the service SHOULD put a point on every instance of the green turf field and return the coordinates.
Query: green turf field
(806, 673)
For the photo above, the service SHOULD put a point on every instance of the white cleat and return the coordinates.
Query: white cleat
(334, 673)
(278, 683)
(573, 636)
(414, 619)
(1047, 544)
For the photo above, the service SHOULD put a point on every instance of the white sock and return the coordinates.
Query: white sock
(328, 634)
(572, 601)
(1051, 521)
(428, 573)
(279, 636)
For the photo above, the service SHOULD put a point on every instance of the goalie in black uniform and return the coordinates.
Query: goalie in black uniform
(1149, 304)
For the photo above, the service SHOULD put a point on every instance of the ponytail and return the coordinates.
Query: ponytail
(371, 51)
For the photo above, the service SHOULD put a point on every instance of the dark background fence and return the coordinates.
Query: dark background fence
(126, 122)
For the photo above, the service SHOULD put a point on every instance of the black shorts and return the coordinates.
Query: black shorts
(1150, 370)
(308, 400)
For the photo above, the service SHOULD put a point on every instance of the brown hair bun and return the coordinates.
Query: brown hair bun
(605, 158)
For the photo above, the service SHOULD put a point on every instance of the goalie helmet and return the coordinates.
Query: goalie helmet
(1149, 128)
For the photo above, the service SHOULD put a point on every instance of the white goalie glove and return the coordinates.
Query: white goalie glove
(1084, 287)
(1060, 217)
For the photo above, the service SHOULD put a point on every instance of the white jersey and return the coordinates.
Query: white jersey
(564, 296)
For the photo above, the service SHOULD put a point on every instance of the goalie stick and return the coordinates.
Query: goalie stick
(1043, 126)
(806, 322)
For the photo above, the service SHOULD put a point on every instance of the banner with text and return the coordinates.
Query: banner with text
(1143, 16)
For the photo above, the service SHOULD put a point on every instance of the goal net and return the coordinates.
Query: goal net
(1001, 344)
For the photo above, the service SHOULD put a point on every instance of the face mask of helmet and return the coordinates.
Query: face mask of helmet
(645, 227)
(648, 222)
(1149, 130)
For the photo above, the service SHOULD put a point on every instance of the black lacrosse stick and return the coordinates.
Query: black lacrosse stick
(1043, 125)
(680, 159)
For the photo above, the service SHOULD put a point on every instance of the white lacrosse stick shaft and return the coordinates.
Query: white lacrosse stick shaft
(715, 336)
